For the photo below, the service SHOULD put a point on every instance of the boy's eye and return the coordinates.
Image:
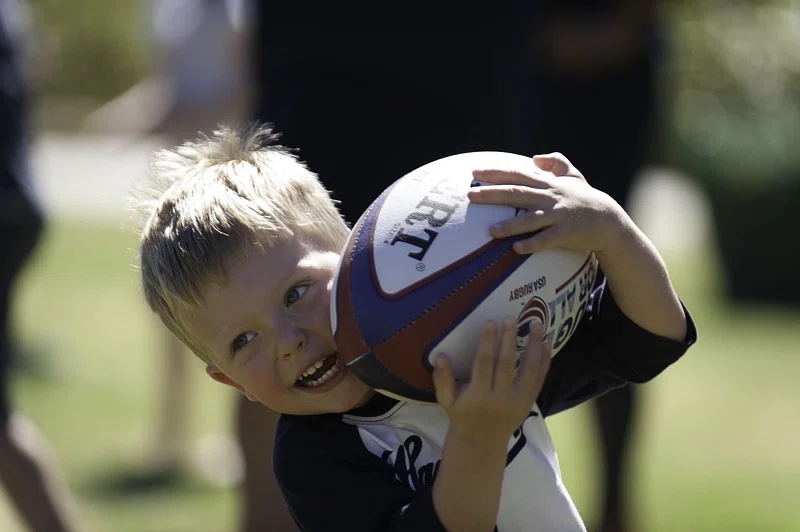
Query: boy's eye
(242, 340)
(294, 294)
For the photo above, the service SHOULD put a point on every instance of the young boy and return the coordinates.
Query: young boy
(238, 257)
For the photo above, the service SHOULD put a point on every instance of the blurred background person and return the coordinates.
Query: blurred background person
(198, 74)
(563, 76)
(593, 94)
(432, 80)
(200, 79)
(28, 468)
(197, 81)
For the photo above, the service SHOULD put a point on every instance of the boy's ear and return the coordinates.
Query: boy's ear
(215, 373)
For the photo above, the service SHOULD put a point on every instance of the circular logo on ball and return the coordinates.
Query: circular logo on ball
(534, 310)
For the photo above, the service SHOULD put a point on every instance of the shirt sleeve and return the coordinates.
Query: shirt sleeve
(330, 481)
(606, 351)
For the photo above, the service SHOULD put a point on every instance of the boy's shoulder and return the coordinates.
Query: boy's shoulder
(335, 471)
(305, 444)
(303, 434)
(294, 430)
(324, 446)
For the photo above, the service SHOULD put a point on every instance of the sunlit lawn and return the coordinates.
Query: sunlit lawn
(717, 446)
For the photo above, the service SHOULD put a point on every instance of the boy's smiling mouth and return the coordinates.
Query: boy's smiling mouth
(320, 372)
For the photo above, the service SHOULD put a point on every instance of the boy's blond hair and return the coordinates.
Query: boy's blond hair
(210, 202)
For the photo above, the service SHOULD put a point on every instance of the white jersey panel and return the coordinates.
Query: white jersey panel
(410, 437)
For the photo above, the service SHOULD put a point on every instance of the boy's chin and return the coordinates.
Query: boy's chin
(347, 394)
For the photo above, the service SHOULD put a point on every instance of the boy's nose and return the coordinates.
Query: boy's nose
(291, 341)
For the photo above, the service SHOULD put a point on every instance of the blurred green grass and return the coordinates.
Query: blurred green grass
(89, 48)
(716, 448)
(85, 52)
(92, 388)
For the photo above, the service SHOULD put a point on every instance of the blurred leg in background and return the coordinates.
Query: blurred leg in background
(593, 95)
(28, 469)
(201, 79)
(261, 504)
(198, 81)
(363, 105)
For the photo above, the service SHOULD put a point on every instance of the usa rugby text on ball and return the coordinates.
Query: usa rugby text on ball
(527, 289)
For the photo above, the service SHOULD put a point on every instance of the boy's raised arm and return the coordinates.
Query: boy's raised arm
(563, 211)
(638, 279)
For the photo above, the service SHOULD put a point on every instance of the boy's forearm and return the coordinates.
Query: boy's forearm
(639, 281)
(466, 494)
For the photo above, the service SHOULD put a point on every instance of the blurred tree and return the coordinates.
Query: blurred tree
(87, 52)
(735, 128)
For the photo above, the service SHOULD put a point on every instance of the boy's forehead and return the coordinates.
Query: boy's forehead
(270, 264)
(301, 245)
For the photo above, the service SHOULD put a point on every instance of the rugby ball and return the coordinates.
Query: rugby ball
(420, 275)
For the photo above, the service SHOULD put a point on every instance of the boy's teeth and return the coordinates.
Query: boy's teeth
(312, 369)
(319, 373)
(322, 380)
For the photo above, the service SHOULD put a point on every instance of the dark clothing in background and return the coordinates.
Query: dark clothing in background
(367, 92)
(604, 121)
(603, 125)
(20, 217)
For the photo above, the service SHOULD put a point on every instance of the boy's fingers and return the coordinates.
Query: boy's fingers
(557, 164)
(525, 222)
(443, 381)
(540, 374)
(535, 362)
(554, 162)
(546, 238)
(506, 356)
(519, 196)
(483, 365)
(526, 178)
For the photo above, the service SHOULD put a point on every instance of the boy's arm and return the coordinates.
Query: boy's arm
(560, 210)
(644, 326)
(638, 279)
(466, 494)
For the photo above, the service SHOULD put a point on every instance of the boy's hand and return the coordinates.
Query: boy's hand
(499, 395)
(564, 213)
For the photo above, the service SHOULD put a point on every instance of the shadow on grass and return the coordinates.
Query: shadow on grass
(37, 361)
(132, 482)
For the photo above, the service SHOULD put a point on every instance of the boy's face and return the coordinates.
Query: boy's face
(267, 331)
